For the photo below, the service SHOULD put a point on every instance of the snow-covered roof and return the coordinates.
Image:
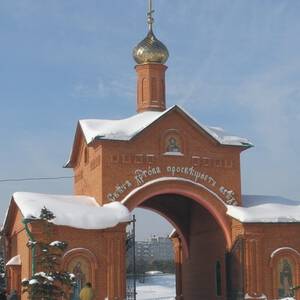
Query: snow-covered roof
(14, 261)
(262, 297)
(266, 209)
(74, 211)
(172, 233)
(126, 129)
(85, 213)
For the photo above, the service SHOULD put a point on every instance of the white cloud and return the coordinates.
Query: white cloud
(102, 87)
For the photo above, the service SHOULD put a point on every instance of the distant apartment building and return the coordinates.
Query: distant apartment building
(156, 248)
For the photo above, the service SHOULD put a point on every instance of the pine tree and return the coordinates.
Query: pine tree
(2, 274)
(50, 283)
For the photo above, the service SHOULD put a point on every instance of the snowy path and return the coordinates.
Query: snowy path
(160, 287)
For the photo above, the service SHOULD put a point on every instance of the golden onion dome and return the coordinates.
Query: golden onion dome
(150, 50)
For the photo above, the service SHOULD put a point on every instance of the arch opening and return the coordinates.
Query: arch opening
(188, 189)
(154, 257)
(200, 242)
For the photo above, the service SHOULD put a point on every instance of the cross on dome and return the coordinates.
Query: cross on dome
(150, 50)
(150, 19)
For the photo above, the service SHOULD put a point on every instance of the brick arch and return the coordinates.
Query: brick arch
(83, 252)
(184, 187)
(276, 256)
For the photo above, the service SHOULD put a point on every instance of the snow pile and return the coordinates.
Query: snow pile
(57, 244)
(262, 297)
(14, 261)
(126, 129)
(33, 281)
(42, 274)
(266, 209)
(74, 211)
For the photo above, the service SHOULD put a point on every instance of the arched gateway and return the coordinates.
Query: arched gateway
(173, 198)
(203, 233)
(227, 246)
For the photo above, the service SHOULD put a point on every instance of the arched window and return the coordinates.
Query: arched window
(285, 277)
(82, 263)
(218, 274)
(154, 89)
(284, 263)
(86, 155)
(145, 90)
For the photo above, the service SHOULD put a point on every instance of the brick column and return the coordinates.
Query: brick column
(116, 271)
(253, 270)
(178, 266)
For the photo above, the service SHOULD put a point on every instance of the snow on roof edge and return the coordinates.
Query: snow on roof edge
(3, 226)
(143, 127)
(76, 208)
(265, 209)
(15, 261)
(172, 233)
(210, 130)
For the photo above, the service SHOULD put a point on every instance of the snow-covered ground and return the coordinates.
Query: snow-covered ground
(160, 287)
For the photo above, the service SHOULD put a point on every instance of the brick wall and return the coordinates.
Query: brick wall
(207, 246)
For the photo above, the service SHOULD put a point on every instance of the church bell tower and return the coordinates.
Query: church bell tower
(150, 55)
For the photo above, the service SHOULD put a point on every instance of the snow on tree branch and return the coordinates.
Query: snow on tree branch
(50, 283)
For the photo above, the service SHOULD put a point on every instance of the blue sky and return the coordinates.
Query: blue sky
(233, 63)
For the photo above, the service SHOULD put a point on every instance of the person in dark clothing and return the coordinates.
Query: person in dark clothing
(3, 295)
(13, 295)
